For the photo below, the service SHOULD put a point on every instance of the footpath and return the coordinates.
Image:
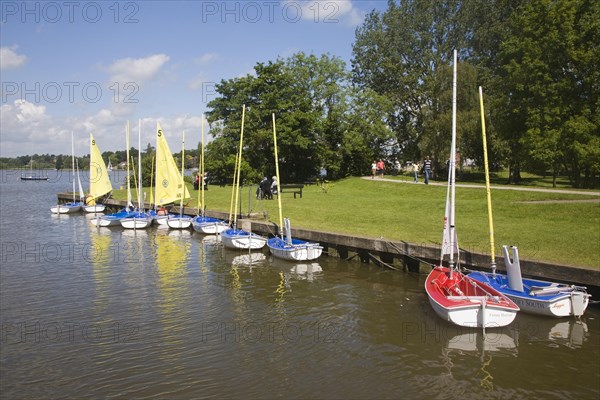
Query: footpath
(409, 180)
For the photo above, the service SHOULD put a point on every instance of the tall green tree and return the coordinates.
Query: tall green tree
(550, 83)
(403, 54)
(312, 100)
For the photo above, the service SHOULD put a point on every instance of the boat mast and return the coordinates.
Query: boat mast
(127, 154)
(487, 183)
(277, 175)
(452, 168)
(140, 204)
(73, 163)
(182, 168)
(201, 206)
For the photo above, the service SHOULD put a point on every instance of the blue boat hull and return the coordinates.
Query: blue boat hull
(539, 297)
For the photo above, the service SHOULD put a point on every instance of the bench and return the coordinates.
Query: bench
(295, 188)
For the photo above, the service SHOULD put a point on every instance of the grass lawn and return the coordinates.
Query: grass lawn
(542, 228)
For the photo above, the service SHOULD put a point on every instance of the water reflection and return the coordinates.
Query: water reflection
(299, 271)
(171, 253)
(249, 260)
(100, 240)
(211, 240)
(569, 333)
(138, 234)
(172, 249)
(476, 344)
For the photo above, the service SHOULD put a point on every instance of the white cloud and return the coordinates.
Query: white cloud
(129, 76)
(29, 128)
(136, 70)
(326, 11)
(9, 59)
(22, 114)
(206, 58)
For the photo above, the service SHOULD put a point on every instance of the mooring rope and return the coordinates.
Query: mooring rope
(399, 250)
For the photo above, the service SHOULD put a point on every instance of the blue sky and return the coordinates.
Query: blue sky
(90, 66)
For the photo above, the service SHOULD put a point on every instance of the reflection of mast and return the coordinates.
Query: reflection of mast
(281, 288)
(478, 343)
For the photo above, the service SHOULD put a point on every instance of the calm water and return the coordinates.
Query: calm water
(89, 313)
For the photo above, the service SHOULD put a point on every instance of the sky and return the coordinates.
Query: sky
(92, 66)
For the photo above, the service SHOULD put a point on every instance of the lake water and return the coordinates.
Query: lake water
(104, 313)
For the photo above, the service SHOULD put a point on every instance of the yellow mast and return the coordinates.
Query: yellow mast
(182, 172)
(277, 175)
(487, 183)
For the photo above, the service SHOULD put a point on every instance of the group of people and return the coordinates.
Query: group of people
(426, 170)
(197, 181)
(378, 168)
(267, 188)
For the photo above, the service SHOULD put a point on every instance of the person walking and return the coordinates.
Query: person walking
(415, 168)
(380, 167)
(373, 169)
(427, 169)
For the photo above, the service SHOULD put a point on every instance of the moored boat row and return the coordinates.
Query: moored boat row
(471, 300)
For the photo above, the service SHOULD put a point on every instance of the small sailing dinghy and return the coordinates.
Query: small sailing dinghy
(99, 180)
(454, 296)
(168, 187)
(114, 219)
(32, 176)
(139, 218)
(234, 238)
(285, 246)
(74, 206)
(531, 295)
(180, 221)
(201, 223)
(535, 296)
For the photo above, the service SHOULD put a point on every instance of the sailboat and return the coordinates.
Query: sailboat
(109, 167)
(454, 296)
(181, 221)
(99, 179)
(201, 223)
(238, 238)
(169, 183)
(531, 295)
(285, 246)
(74, 206)
(32, 176)
(138, 219)
(114, 219)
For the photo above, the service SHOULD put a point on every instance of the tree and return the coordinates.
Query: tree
(366, 136)
(403, 54)
(550, 85)
(309, 96)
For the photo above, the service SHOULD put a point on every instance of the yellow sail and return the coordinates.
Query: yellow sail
(169, 188)
(99, 179)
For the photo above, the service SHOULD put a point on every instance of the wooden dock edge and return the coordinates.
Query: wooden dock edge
(395, 254)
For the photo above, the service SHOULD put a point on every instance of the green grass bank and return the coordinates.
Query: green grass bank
(552, 227)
